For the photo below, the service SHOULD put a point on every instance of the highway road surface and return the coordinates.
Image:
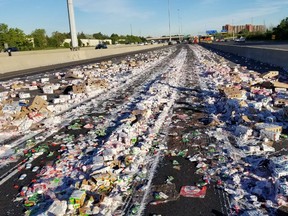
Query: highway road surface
(148, 126)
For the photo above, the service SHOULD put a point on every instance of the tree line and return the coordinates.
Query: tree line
(38, 39)
(280, 32)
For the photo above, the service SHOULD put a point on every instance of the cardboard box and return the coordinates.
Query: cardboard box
(11, 108)
(24, 95)
(245, 119)
(270, 74)
(74, 74)
(23, 113)
(277, 84)
(269, 127)
(48, 89)
(1, 112)
(44, 79)
(77, 198)
(234, 93)
(243, 103)
(65, 97)
(57, 100)
(32, 88)
(280, 102)
(38, 104)
(97, 83)
(17, 86)
(78, 89)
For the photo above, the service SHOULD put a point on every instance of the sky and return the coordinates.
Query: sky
(141, 17)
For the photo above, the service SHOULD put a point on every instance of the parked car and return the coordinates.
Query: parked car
(101, 46)
(12, 49)
(172, 42)
(240, 40)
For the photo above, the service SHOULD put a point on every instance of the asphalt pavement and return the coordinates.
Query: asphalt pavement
(282, 45)
(186, 118)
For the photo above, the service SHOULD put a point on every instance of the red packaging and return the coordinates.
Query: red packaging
(193, 191)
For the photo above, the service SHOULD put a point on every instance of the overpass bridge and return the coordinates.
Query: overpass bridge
(166, 38)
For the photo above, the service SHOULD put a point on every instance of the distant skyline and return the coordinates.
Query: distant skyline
(140, 17)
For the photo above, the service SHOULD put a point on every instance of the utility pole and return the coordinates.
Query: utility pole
(72, 25)
(178, 24)
(169, 20)
(131, 29)
(232, 30)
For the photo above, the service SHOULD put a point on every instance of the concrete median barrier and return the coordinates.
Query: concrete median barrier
(277, 57)
(33, 59)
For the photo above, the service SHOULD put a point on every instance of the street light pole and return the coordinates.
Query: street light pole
(72, 25)
(178, 24)
(169, 20)
(232, 30)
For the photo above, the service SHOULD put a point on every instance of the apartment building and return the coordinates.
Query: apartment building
(236, 29)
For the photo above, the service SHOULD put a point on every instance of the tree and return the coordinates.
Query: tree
(281, 31)
(100, 36)
(133, 39)
(81, 35)
(79, 43)
(4, 37)
(40, 39)
(17, 38)
(56, 40)
(244, 32)
(114, 38)
(66, 45)
(13, 37)
(218, 35)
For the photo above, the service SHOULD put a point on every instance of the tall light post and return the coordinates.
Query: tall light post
(232, 30)
(72, 25)
(179, 31)
(169, 20)
(178, 25)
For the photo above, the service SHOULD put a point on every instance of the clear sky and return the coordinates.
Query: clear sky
(141, 17)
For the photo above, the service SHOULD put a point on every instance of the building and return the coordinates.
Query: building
(90, 42)
(236, 29)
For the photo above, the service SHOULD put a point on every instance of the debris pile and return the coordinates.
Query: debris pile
(96, 168)
(249, 142)
(240, 146)
(40, 103)
(104, 161)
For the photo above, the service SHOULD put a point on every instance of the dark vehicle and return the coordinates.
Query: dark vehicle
(12, 49)
(101, 46)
